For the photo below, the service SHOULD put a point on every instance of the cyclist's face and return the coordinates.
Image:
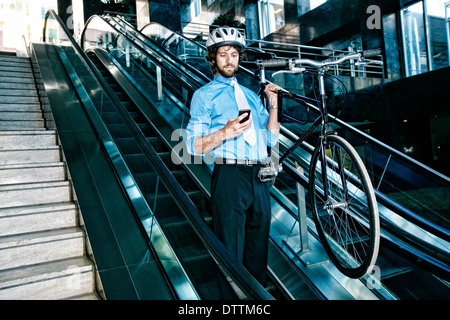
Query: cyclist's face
(227, 60)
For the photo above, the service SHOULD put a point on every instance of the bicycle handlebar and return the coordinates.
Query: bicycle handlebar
(278, 63)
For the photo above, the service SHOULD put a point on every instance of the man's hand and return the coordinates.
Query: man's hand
(231, 130)
(271, 92)
(272, 124)
(234, 128)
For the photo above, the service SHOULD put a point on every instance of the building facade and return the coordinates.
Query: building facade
(406, 108)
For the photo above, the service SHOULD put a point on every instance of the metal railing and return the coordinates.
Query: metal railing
(200, 31)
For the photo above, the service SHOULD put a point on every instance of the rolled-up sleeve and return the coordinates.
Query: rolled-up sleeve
(200, 122)
(271, 138)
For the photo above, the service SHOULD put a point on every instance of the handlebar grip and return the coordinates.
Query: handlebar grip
(273, 63)
(371, 53)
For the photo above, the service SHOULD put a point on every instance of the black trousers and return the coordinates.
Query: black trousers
(241, 214)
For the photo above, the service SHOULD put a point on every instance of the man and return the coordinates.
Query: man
(240, 200)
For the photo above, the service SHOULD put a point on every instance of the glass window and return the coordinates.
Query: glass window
(437, 31)
(391, 45)
(271, 16)
(196, 8)
(315, 3)
(414, 41)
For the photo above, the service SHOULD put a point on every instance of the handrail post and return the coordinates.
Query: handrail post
(301, 207)
(159, 83)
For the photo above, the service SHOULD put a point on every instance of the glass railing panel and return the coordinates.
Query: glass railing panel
(120, 144)
(165, 91)
(405, 181)
(186, 50)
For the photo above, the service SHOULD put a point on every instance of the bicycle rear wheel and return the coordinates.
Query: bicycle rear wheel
(346, 217)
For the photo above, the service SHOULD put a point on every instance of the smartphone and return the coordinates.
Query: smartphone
(244, 111)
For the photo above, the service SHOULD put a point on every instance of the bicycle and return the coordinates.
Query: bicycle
(342, 198)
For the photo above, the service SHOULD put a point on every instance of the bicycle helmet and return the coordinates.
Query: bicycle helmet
(225, 36)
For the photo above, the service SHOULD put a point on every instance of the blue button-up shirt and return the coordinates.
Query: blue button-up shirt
(211, 108)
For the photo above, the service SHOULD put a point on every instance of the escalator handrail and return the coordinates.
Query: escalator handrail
(389, 203)
(384, 199)
(191, 211)
(175, 68)
(117, 161)
(199, 76)
(354, 130)
(246, 282)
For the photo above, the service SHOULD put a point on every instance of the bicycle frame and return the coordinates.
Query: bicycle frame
(331, 203)
(322, 121)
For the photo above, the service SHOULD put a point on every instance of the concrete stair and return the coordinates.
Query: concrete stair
(42, 247)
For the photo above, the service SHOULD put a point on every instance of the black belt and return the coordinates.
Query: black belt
(247, 162)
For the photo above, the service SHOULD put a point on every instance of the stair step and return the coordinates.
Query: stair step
(20, 115)
(8, 79)
(29, 155)
(27, 219)
(21, 125)
(8, 92)
(30, 173)
(27, 138)
(23, 107)
(18, 75)
(65, 279)
(16, 68)
(16, 195)
(20, 99)
(40, 247)
(19, 86)
(4, 59)
(90, 296)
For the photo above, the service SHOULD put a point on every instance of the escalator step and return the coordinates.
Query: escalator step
(120, 130)
(157, 144)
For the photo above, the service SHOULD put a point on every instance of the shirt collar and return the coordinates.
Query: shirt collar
(223, 79)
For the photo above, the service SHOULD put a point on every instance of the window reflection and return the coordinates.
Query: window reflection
(316, 3)
(414, 39)
(271, 16)
(425, 36)
(438, 32)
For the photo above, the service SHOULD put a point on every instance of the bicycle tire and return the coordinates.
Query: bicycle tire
(348, 229)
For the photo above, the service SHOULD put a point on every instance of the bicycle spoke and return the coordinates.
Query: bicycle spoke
(343, 214)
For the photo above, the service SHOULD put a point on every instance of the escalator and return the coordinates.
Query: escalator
(154, 95)
(193, 255)
(191, 262)
(422, 240)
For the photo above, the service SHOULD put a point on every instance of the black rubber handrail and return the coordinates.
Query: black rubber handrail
(383, 199)
(243, 279)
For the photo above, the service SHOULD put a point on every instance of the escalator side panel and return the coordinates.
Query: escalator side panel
(119, 249)
(201, 268)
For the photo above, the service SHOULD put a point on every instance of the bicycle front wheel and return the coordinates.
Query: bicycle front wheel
(344, 207)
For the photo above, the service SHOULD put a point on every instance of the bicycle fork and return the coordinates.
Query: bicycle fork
(329, 204)
(332, 203)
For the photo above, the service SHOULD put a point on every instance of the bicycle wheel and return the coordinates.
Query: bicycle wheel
(346, 217)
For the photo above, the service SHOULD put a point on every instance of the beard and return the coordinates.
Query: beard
(227, 73)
